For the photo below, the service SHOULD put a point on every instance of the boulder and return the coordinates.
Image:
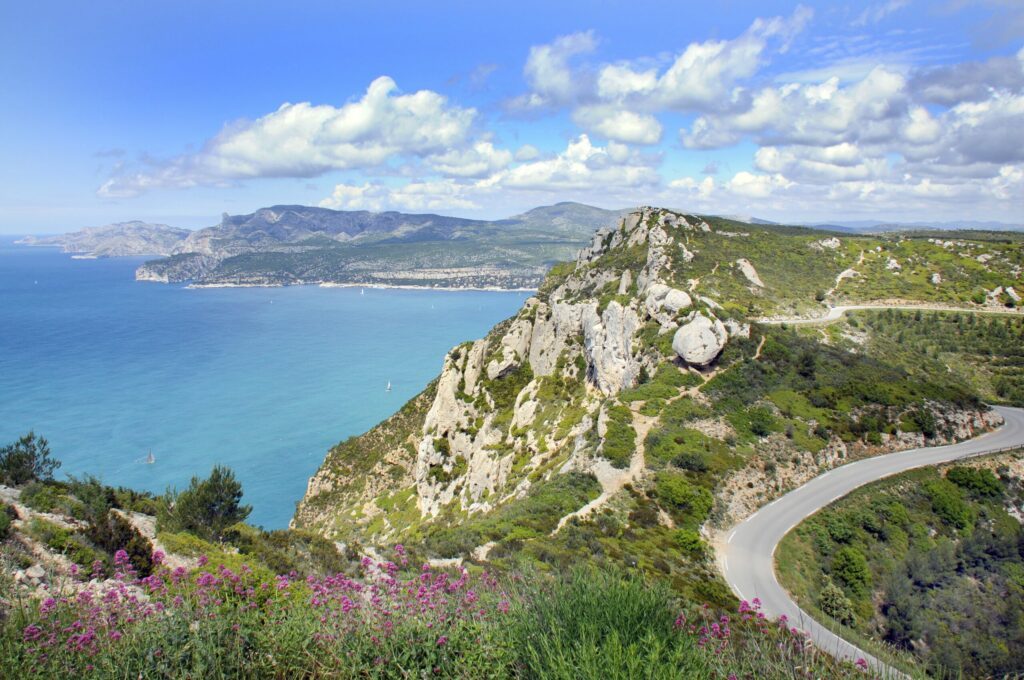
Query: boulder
(749, 272)
(700, 339)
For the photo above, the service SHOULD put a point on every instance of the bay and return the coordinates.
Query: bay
(263, 380)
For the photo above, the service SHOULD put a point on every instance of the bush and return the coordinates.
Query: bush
(689, 541)
(979, 482)
(850, 568)
(27, 460)
(948, 503)
(833, 602)
(208, 508)
(5, 521)
(620, 439)
(674, 491)
(113, 532)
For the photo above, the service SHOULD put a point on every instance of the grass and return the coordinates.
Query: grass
(393, 619)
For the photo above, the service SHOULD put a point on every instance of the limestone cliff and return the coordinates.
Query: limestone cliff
(626, 369)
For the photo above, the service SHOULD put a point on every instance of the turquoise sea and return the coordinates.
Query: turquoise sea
(264, 380)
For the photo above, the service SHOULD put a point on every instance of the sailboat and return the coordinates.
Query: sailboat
(362, 291)
(388, 388)
(150, 459)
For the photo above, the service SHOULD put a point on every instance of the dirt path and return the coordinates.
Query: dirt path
(612, 479)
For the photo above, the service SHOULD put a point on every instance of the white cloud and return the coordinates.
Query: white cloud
(414, 196)
(618, 124)
(305, 140)
(872, 14)
(583, 170)
(549, 74)
(582, 166)
(749, 185)
(476, 161)
(620, 103)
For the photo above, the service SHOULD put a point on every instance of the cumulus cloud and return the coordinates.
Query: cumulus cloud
(549, 73)
(306, 140)
(620, 102)
(413, 196)
(582, 169)
(969, 81)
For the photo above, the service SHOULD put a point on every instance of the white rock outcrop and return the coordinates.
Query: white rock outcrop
(661, 300)
(608, 343)
(700, 339)
(749, 272)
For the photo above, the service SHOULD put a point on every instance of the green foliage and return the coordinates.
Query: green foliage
(207, 508)
(534, 516)
(113, 532)
(620, 438)
(948, 503)
(6, 516)
(944, 558)
(690, 542)
(833, 601)
(73, 546)
(984, 352)
(27, 460)
(850, 568)
(979, 482)
(678, 495)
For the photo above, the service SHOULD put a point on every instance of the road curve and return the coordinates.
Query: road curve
(834, 313)
(746, 552)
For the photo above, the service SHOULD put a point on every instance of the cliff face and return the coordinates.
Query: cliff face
(621, 369)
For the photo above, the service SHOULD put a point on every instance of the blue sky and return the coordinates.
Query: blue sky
(177, 112)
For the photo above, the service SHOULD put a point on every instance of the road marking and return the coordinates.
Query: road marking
(731, 536)
(725, 561)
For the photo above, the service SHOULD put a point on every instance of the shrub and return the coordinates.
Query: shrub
(674, 491)
(979, 482)
(620, 439)
(5, 521)
(833, 602)
(689, 541)
(948, 503)
(850, 568)
(27, 460)
(207, 508)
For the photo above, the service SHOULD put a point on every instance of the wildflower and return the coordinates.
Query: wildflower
(203, 559)
(442, 641)
(861, 664)
(121, 558)
(115, 635)
(32, 633)
(503, 606)
(158, 557)
(47, 605)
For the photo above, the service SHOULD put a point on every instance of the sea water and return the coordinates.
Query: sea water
(263, 380)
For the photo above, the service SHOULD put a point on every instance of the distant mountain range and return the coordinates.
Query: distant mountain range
(878, 227)
(295, 244)
(115, 240)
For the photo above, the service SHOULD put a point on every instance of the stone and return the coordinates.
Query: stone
(700, 339)
(749, 272)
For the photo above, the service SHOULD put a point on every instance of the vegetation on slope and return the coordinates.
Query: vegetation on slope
(985, 353)
(929, 561)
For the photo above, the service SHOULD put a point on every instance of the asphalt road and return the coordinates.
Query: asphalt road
(834, 313)
(746, 552)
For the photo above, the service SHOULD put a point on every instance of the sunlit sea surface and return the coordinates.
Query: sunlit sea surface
(264, 380)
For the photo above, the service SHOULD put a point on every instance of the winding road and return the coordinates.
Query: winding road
(746, 552)
(834, 313)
